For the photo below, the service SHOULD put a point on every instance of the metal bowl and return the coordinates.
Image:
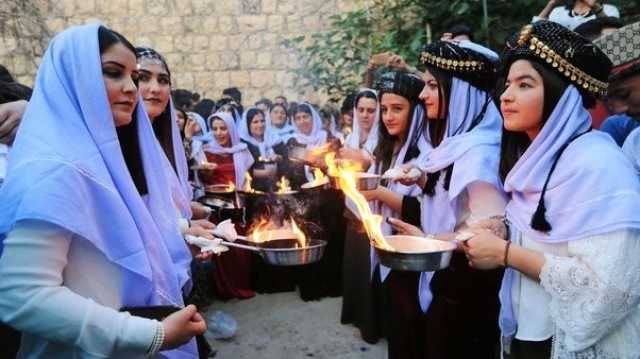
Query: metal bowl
(364, 181)
(282, 252)
(416, 254)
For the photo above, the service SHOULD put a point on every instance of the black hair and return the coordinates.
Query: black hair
(127, 134)
(306, 108)
(514, 143)
(437, 127)
(265, 101)
(350, 101)
(460, 29)
(234, 93)
(186, 117)
(384, 150)
(592, 29)
(205, 108)
(13, 91)
(5, 75)
(361, 95)
(182, 98)
(251, 113)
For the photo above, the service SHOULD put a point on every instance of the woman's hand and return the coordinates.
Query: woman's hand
(181, 326)
(200, 228)
(200, 211)
(493, 225)
(371, 195)
(10, 116)
(405, 228)
(397, 61)
(485, 250)
(190, 128)
(407, 180)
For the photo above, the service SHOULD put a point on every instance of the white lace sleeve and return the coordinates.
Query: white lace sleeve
(595, 291)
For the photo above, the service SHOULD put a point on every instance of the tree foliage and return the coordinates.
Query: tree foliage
(334, 60)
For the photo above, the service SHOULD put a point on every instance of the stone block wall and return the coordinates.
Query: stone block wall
(209, 44)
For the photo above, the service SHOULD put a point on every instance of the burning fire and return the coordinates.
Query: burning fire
(231, 187)
(265, 230)
(247, 183)
(347, 176)
(284, 185)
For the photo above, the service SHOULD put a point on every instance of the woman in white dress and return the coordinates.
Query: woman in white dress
(572, 284)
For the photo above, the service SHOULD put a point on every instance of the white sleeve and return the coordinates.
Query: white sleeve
(485, 201)
(595, 288)
(611, 10)
(34, 299)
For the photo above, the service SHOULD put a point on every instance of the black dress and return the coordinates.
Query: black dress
(465, 305)
(362, 295)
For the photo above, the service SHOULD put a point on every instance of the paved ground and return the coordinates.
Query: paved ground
(282, 326)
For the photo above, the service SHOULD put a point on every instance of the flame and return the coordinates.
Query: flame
(231, 187)
(321, 150)
(247, 183)
(264, 230)
(302, 239)
(283, 185)
(347, 174)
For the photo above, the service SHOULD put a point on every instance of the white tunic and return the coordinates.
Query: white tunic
(588, 297)
(64, 295)
(563, 16)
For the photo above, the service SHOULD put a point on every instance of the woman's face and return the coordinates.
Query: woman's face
(522, 102)
(430, 95)
(304, 122)
(180, 120)
(257, 126)
(227, 108)
(395, 114)
(366, 109)
(221, 132)
(120, 74)
(278, 116)
(155, 87)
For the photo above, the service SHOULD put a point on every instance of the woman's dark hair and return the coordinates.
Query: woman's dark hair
(437, 127)
(384, 150)
(302, 108)
(361, 95)
(514, 143)
(250, 115)
(186, 117)
(127, 134)
(205, 108)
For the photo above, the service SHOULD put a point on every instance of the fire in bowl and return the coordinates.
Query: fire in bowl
(416, 254)
(364, 181)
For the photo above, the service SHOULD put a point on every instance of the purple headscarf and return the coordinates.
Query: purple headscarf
(593, 190)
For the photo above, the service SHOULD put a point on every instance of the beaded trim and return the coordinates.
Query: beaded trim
(449, 64)
(576, 75)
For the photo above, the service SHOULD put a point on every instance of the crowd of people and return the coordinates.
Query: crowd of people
(533, 149)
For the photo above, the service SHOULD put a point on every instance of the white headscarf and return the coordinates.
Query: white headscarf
(318, 136)
(270, 138)
(353, 140)
(242, 158)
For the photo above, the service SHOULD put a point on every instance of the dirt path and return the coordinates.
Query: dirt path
(282, 326)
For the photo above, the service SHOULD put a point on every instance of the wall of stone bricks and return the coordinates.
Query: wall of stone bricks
(209, 44)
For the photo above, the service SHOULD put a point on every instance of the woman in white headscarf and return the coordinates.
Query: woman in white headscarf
(265, 146)
(309, 135)
(357, 292)
(229, 155)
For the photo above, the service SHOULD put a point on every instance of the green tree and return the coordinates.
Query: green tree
(334, 60)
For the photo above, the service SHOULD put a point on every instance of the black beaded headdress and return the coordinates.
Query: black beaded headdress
(564, 51)
(149, 53)
(400, 83)
(462, 62)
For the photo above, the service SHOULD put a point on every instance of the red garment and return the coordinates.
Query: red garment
(232, 269)
(224, 173)
(598, 114)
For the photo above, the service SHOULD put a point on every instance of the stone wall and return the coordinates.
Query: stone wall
(209, 44)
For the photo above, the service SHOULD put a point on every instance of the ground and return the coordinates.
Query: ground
(282, 326)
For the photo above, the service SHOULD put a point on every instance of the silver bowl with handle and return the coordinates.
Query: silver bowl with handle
(416, 254)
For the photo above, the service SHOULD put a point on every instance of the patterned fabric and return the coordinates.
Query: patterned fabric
(623, 49)
(562, 51)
